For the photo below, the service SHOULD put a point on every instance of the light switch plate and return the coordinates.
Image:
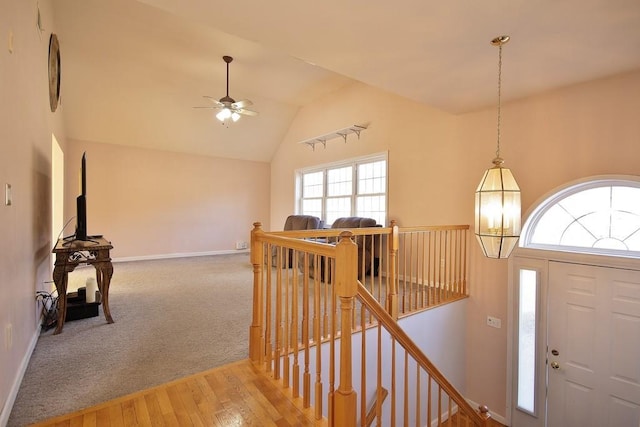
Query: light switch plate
(494, 322)
(7, 194)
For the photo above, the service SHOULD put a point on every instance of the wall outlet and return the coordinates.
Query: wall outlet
(241, 245)
(494, 322)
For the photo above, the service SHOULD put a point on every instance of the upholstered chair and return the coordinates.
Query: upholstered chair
(296, 222)
(364, 246)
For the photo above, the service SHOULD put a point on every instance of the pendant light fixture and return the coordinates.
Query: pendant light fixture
(497, 207)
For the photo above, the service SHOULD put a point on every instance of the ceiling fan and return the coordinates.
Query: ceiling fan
(229, 107)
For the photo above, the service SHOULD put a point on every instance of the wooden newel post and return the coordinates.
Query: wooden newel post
(485, 415)
(346, 283)
(392, 297)
(257, 259)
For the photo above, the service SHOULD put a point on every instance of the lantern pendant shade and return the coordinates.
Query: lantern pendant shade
(497, 211)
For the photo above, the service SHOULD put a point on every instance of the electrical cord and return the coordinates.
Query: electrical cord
(65, 226)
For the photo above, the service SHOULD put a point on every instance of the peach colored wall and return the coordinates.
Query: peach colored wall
(437, 159)
(420, 142)
(153, 203)
(548, 140)
(26, 126)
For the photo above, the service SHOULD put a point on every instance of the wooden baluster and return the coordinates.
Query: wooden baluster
(379, 378)
(429, 396)
(289, 324)
(438, 266)
(332, 351)
(392, 279)
(393, 382)
(429, 269)
(256, 347)
(421, 267)
(408, 258)
(269, 322)
(306, 378)
(455, 261)
(326, 300)
(405, 398)
(363, 367)
(418, 393)
(346, 285)
(277, 365)
(295, 342)
(317, 293)
(439, 405)
(464, 270)
(382, 260)
(403, 258)
(447, 263)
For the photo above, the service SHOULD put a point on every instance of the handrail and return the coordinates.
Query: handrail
(331, 232)
(407, 343)
(433, 228)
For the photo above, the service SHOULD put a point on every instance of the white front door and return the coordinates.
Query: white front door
(593, 339)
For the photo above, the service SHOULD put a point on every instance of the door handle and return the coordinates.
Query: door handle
(555, 365)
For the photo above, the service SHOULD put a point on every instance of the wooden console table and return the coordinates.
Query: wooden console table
(70, 254)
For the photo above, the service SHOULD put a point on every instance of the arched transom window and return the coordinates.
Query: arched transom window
(601, 216)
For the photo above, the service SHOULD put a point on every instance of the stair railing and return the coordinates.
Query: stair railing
(305, 289)
(420, 394)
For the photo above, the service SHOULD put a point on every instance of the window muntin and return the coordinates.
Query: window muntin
(312, 185)
(337, 207)
(353, 188)
(372, 177)
(600, 216)
(340, 181)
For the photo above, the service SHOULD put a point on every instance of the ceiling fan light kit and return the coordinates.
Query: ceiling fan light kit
(229, 107)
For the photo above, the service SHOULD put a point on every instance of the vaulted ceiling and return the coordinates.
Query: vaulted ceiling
(133, 70)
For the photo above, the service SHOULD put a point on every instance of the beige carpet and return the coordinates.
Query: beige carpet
(172, 318)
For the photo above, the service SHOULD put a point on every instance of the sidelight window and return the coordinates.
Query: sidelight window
(527, 339)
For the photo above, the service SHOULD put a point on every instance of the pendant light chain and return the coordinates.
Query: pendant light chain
(499, 97)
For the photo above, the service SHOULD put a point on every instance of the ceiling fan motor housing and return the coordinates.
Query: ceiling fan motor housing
(227, 100)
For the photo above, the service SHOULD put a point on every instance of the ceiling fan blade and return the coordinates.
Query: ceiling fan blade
(242, 103)
(208, 108)
(246, 112)
(217, 103)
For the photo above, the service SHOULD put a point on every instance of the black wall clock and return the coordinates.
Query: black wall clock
(54, 72)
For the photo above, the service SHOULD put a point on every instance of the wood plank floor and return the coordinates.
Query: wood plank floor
(237, 394)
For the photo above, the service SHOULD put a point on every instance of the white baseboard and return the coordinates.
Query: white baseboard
(499, 418)
(179, 255)
(15, 387)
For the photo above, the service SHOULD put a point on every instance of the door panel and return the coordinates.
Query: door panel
(594, 326)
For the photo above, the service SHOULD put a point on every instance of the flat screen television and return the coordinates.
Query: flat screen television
(81, 202)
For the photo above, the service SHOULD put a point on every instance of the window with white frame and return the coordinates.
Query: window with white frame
(357, 187)
(597, 216)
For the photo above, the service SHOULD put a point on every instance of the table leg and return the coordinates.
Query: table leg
(104, 271)
(60, 278)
